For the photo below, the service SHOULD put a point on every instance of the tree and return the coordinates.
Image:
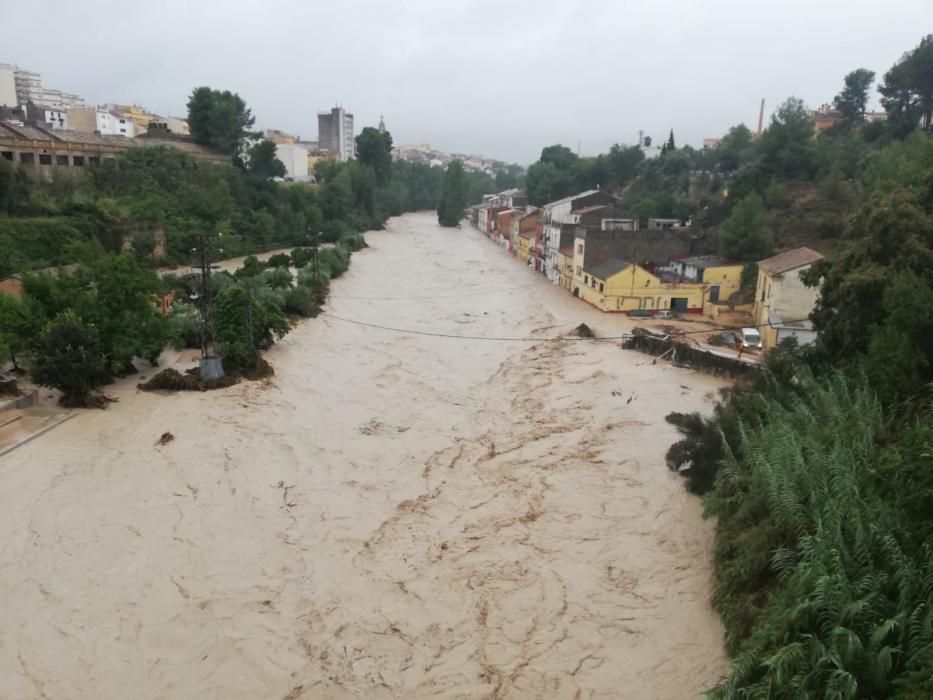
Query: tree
(453, 196)
(374, 150)
(746, 234)
(734, 148)
(786, 148)
(853, 100)
(68, 356)
(244, 322)
(337, 195)
(623, 163)
(19, 321)
(119, 302)
(219, 120)
(263, 161)
(670, 146)
(907, 90)
(861, 290)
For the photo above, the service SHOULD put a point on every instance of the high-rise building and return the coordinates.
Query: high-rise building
(335, 133)
(28, 88)
(8, 86)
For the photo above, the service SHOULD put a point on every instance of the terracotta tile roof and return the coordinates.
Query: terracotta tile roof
(791, 260)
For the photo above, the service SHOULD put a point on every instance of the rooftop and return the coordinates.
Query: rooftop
(701, 262)
(570, 198)
(587, 210)
(791, 260)
(605, 269)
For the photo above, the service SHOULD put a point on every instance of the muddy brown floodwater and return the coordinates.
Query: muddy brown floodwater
(392, 516)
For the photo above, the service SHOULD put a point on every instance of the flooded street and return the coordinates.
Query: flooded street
(391, 516)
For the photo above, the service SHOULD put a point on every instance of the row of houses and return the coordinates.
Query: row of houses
(587, 245)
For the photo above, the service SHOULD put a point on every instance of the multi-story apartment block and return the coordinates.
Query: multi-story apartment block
(335, 133)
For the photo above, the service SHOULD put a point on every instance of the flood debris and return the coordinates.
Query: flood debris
(584, 331)
(165, 438)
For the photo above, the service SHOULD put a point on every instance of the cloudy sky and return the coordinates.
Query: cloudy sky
(497, 77)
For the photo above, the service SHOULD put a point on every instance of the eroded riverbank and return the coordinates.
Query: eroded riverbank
(392, 516)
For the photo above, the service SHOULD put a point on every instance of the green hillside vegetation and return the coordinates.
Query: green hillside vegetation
(819, 471)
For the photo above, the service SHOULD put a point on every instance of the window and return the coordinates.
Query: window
(601, 287)
(45, 159)
(27, 158)
(580, 248)
(586, 279)
(7, 155)
(78, 161)
(61, 160)
(593, 282)
(94, 160)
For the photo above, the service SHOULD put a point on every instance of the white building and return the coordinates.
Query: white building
(28, 87)
(561, 212)
(335, 133)
(295, 159)
(782, 301)
(7, 86)
(112, 124)
(52, 118)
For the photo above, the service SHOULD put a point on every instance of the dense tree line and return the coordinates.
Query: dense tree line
(75, 329)
(819, 471)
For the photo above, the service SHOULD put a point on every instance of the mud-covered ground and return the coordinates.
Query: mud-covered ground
(391, 516)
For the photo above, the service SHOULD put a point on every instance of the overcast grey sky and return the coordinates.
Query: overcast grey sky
(497, 77)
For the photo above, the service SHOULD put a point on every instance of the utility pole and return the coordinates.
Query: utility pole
(210, 365)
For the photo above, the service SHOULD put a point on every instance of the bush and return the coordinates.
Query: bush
(279, 260)
(301, 257)
(334, 230)
(300, 301)
(68, 356)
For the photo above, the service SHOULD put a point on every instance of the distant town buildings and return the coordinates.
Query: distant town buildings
(335, 133)
(91, 120)
(276, 136)
(27, 88)
(424, 153)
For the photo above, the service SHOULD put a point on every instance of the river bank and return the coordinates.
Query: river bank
(389, 516)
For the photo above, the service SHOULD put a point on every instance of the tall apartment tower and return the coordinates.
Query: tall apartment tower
(335, 133)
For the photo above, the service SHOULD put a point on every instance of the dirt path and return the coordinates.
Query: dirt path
(390, 517)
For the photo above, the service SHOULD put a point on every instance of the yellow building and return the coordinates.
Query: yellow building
(618, 285)
(525, 247)
(565, 267)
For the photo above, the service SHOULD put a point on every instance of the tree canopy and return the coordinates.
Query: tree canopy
(263, 162)
(453, 196)
(853, 100)
(219, 119)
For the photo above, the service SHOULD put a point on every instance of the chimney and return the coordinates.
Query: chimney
(761, 116)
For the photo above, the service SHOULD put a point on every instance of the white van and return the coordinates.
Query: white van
(751, 339)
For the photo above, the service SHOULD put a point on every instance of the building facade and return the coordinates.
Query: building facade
(555, 214)
(7, 86)
(336, 134)
(295, 159)
(28, 88)
(782, 301)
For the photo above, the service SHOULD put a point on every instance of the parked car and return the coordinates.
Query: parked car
(751, 339)
(640, 313)
(665, 313)
(729, 339)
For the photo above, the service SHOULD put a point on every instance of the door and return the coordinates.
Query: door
(714, 295)
(678, 304)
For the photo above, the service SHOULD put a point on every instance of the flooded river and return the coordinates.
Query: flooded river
(391, 516)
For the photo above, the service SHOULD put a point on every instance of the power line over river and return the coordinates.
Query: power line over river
(389, 516)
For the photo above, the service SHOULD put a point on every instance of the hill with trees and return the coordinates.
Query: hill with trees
(819, 471)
